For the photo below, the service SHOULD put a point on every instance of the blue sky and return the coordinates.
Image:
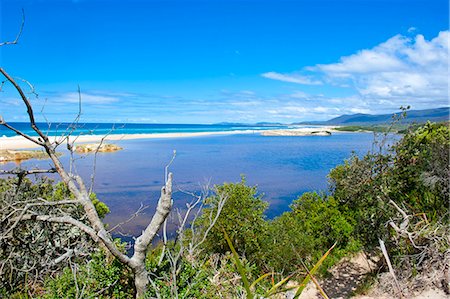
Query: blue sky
(225, 60)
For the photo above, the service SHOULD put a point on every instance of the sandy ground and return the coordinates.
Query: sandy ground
(317, 131)
(19, 142)
(348, 274)
(427, 294)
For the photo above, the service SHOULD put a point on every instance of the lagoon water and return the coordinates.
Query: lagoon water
(282, 168)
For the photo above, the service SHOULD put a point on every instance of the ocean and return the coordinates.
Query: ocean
(282, 167)
(130, 128)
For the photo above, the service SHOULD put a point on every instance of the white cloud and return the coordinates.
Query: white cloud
(292, 78)
(360, 110)
(403, 70)
(11, 102)
(423, 52)
(86, 98)
(378, 59)
(321, 109)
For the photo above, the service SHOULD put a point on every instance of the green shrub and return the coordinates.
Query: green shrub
(421, 170)
(188, 281)
(242, 217)
(35, 244)
(98, 278)
(358, 186)
(303, 234)
(413, 173)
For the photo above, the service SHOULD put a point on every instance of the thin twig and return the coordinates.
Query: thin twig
(14, 42)
(135, 214)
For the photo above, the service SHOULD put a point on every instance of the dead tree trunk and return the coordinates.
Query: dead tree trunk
(96, 229)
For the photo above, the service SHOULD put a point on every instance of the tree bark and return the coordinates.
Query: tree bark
(142, 243)
(96, 229)
(141, 281)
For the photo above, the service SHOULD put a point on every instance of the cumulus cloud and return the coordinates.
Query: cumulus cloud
(292, 78)
(402, 70)
(375, 60)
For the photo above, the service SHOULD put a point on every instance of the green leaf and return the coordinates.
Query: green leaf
(273, 290)
(240, 267)
(259, 279)
(322, 292)
(312, 272)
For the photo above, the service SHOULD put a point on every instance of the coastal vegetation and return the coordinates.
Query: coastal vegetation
(396, 195)
(361, 128)
(399, 128)
(388, 207)
(49, 212)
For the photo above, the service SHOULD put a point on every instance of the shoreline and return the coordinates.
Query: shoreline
(19, 142)
(309, 131)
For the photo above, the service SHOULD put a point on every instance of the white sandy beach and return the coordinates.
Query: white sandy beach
(309, 131)
(19, 142)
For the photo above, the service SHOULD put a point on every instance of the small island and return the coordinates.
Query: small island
(97, 148)
(13, 155)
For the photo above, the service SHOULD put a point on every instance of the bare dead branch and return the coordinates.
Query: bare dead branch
(93, 227)
(391, 269)
(162, 211)
(20, 133)
(405, 216)
(14, 42)
(31, 86)
(94, 167)
(185, 246)
(73, 126)
(59, 219)
(166, 169)
(190, 207)
(23, 172)
(135, 214)
(69, 253)
(212, 221)
(163, 251)
(137, 261)
(27, 104)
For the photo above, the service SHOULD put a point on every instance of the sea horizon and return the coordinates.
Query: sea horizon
(91, 128)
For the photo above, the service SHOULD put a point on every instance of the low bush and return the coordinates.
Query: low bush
(96, 278)
(306, 232)
(242, 217)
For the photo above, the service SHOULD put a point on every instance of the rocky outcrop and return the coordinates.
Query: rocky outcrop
(12, 155)
(97, 147)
